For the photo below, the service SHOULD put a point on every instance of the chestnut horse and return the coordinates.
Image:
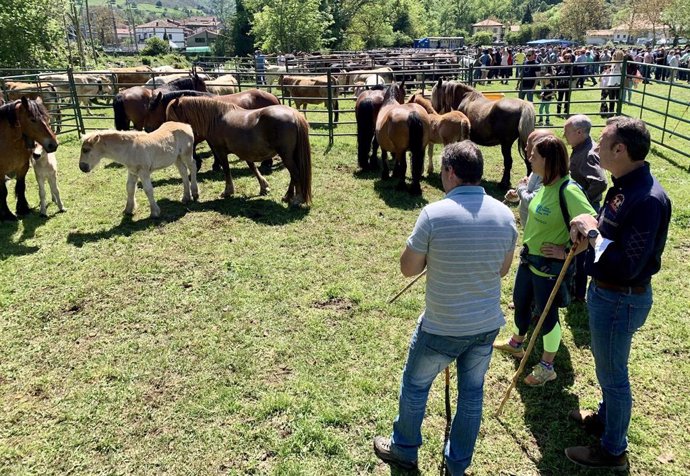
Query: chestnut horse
(399, 128)
(446, 128)
(253, 136)
(22, 123)
(493, 122)
(132, 103)
(367, 110)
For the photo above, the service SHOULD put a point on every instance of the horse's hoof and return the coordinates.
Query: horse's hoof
(504, 185)
(264, 192)
(129, 213)
(21, 211)
(195, 197)
(226, 194)
(62, 210)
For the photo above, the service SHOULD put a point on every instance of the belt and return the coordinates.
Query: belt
(620, 289)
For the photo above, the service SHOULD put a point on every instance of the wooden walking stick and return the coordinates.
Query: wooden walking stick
(448, 420)
(537, 328)
(392, 300)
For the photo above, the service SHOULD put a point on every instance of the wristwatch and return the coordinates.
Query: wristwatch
(592, 234)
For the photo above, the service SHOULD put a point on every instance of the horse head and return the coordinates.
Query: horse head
(198, 82)
(91, 154)
(33, 118)
(437, 97)
(395, 92)
(155, 113)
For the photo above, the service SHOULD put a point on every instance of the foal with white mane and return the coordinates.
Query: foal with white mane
(142, 153)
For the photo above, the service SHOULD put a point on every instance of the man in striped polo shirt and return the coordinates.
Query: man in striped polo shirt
(466, 241)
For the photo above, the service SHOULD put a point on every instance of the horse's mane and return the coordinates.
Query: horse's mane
(394, 91)
(418, 98)
(166, 97)
(184, 83)
(8, 113)
(377, 87)
(465, 89)
(38, 110)
(199, 112)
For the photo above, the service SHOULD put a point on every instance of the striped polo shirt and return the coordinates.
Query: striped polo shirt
(465, 238)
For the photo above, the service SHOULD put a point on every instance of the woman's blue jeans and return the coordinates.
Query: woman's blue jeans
(614, 317)
(428, 355)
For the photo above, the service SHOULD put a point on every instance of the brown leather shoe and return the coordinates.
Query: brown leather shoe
(588, 421)
(596, 457)
(386, 453)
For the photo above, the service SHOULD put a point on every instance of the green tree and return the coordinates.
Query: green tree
(32, 33)
(482, 38)
(527, 17)
(677, 17)
(155, 47)
(241, 30)
(291, 25)
(370, 28)
(578, 16)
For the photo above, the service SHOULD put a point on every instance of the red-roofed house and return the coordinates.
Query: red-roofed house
(496, 28)
(169, 30)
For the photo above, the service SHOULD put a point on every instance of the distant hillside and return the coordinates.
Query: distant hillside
(197, 7)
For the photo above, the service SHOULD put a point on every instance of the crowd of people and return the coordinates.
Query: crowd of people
(466, 243)
(553, 73)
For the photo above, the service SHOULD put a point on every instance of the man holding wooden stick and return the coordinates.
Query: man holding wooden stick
(466, 242)
(625, 247)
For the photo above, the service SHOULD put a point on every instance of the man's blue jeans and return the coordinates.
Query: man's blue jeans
(429, 354)
(614, 317)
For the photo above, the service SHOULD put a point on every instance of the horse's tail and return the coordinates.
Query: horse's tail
(525, 128)
(416, 140)
(364, 114)
(121, 119)
(302, 156)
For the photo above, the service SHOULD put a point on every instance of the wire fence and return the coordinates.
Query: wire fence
(80, 101)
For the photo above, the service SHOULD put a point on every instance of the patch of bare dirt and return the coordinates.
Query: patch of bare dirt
(337, 304)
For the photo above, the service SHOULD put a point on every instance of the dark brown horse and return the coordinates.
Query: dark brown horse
(253, 136)
(499, 122)
(399, 128)
(367, 110)
(22, 123)
(132, 103)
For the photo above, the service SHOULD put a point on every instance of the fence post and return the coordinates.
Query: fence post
(330, 107)
(470, 72)
(75, 103)
(668, 103)
(621, 92)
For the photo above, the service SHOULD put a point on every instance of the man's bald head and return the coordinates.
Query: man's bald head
(532, 138)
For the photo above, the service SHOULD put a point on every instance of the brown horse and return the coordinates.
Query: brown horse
(306, 90)
(22, 123)
(493, 122)
(399, 128)
(253, 136)
(132, 103)
(446, 128)
(249, 99)
(367, 110)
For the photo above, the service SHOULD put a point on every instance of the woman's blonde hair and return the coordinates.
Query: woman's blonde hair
(618, 55)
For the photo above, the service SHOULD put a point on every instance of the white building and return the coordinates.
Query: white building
(168, 30)
(630, 32)
(497, 29)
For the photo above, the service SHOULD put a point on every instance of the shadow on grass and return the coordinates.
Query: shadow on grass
(262, 210)
(662, 154)
(241, 170)
(577, 317)
(9, 228)
(397, 198)
(171, 211)
(546, 417)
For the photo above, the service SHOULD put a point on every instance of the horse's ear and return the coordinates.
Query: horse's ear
(25, 102)
(440, 81)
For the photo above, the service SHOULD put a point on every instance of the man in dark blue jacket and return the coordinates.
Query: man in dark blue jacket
(528, 75)
(625, 247)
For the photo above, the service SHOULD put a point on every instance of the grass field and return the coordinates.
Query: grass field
(237, 336)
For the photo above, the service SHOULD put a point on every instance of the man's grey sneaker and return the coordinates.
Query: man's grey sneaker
(386, 453)
(596, 457)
